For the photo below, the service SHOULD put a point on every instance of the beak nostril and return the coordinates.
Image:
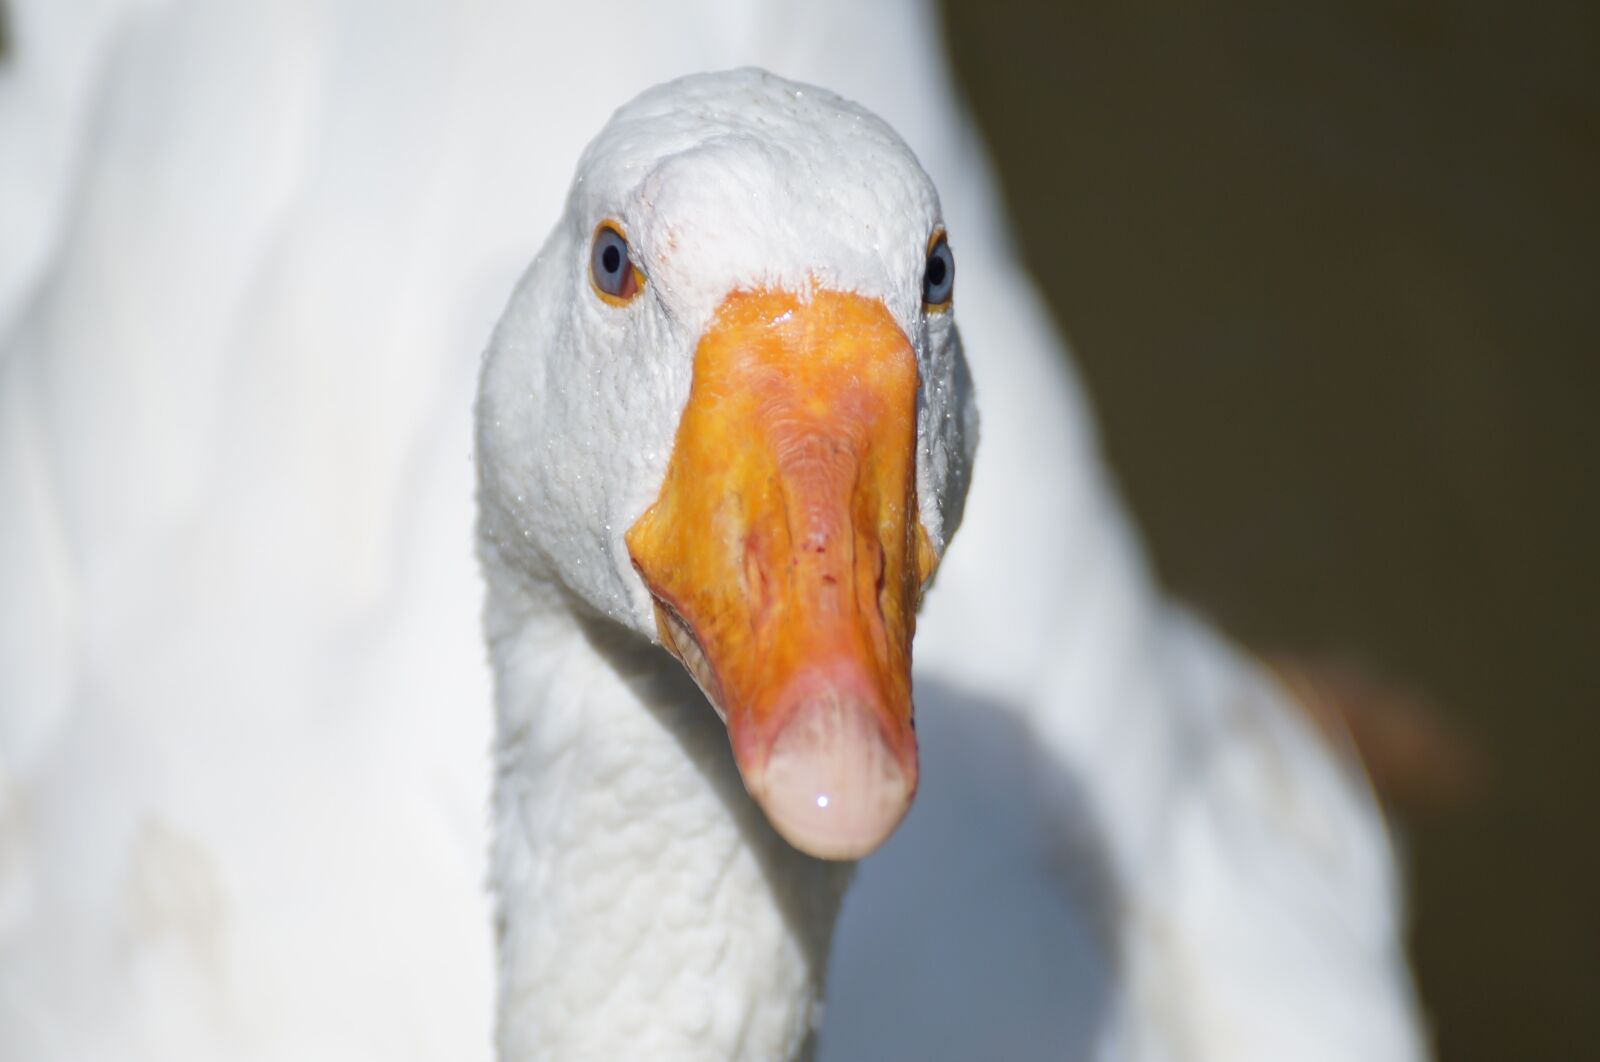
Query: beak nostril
(753, 578)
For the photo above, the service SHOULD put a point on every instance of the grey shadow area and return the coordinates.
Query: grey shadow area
(982, 930)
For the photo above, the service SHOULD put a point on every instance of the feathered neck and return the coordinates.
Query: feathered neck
(644, 907)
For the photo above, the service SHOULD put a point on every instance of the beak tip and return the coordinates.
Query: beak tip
(834, 786)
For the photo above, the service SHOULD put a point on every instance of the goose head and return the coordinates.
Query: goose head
(727, 409)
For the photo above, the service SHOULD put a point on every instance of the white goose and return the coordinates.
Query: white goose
(748, 360)
(235, 498)
(749, 351)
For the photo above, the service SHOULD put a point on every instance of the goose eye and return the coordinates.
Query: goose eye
(610, 269)
(939, 276)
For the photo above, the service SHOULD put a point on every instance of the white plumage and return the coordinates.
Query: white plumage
(242, 695)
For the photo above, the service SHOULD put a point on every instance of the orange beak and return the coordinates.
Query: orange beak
(786, 558)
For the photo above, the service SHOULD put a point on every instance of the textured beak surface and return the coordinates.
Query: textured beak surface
(786, 558)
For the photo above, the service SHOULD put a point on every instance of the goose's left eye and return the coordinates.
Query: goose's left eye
(939, 276)
(611, 269)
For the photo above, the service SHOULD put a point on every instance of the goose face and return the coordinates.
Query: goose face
(721, 411)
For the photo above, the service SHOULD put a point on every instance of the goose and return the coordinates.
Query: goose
(242, 689)
(749, 298)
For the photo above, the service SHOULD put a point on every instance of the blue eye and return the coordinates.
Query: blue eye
(939, 275)
(611, 270)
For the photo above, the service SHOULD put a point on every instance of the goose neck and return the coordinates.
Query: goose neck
(644, 907)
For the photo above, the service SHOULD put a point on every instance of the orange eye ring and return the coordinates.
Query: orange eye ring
(612, 273)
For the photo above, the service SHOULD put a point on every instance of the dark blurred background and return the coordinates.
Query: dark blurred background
(1328, 270)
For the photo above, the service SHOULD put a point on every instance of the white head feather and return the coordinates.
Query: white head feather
(721, 182)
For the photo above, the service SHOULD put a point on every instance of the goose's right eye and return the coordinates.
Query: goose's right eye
(611, 270)
(939, 275)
